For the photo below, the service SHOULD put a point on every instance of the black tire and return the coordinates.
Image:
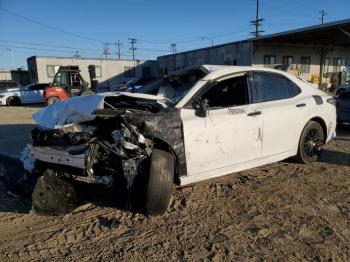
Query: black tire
(160, 182)
(52, 100)
(13, 101)
(311, 143)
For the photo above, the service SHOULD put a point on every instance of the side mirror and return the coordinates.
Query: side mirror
(201, 107)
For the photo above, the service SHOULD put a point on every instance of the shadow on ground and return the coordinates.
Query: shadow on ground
(335, 157)
(14, 137)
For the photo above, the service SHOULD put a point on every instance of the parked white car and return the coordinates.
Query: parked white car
(29, 94)
(206, 121)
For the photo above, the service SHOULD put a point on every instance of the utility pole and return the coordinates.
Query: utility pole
(12, 58)
(76, 54)
(118, 46)
(173, 48)
(133, 48)
(323, 14)
(257, 21)
(106, 50)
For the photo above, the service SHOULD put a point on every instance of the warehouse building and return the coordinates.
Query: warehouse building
(316, 53)
(109, 72)
(21, 76)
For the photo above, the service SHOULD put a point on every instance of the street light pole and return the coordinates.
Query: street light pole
(209, 38)
(12, 58)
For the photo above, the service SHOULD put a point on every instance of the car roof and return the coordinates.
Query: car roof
(220, 70)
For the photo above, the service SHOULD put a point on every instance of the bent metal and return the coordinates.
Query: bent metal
(194, 124)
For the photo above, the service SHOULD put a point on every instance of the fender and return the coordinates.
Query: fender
(55, 91)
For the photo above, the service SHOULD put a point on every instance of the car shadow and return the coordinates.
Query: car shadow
(11, 203)
(14, 180)
(335, 157)
(113, 197)
(14, 137)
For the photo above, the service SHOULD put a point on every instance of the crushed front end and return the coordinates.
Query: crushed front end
(110, 144)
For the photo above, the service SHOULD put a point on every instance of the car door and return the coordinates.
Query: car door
(228, 135)
(37, 93)
(282, 111)
(26, 95)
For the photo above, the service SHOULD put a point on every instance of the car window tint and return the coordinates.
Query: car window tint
(38, 87)
(270, 87)
(227, 93)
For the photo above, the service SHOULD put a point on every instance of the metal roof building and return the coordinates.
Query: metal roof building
(316, 51)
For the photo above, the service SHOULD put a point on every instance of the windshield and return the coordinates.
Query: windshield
(174, 87)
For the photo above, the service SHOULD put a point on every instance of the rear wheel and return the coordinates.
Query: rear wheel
(52, 100)
(13, 101)
(311, 143)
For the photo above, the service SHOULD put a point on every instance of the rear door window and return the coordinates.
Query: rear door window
(266, 86)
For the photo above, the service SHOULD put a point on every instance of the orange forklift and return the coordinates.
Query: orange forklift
(68, 82)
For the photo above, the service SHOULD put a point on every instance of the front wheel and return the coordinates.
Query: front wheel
(13, 101)
(160, 182)
(311, 143)
(52, 100)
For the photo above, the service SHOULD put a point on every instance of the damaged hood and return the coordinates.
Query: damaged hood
(81, 108)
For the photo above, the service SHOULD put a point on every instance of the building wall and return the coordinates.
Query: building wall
(241, 53)
(112, 71)
(230, 54)
(297, 52)
(21, 76)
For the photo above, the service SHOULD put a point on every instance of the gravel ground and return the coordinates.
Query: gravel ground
(283, 211)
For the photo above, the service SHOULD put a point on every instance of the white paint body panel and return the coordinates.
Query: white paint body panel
(213, 142)
(220, 143)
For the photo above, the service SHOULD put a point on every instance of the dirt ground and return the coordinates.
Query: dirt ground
(283, 211)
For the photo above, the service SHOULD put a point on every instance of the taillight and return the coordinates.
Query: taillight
(332, 101)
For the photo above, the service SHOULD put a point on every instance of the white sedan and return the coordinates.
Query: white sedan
(30, 94)
(194, 124)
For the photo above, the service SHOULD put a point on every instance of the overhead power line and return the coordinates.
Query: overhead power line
(41, 49)
(49, 26)
(48, 45)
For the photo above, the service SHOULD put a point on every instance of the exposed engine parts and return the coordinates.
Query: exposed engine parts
(100, 149)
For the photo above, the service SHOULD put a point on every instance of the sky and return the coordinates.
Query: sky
(60, 28)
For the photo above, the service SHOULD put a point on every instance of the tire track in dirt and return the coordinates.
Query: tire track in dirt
(281, 211)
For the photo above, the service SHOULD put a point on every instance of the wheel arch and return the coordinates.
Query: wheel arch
(323, 125)
(14, 97)
(49, 97)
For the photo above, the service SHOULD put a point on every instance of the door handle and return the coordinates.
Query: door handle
(254, 113)
(301, 105)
